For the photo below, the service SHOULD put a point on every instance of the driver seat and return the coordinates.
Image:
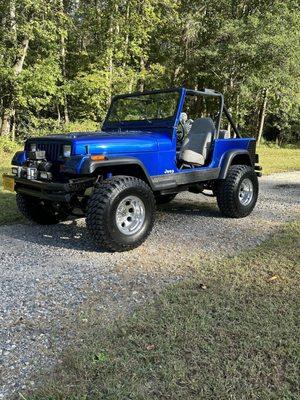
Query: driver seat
(196, 146)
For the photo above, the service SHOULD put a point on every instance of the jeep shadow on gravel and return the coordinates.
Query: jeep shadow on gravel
(152, 146)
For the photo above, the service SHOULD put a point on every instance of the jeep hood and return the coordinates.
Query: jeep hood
(112, 142)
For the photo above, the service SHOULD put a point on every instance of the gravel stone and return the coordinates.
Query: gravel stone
(50, 273)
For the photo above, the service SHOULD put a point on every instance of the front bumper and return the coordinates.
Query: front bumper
(53, 191)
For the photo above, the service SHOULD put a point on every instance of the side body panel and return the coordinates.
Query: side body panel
(222, 146)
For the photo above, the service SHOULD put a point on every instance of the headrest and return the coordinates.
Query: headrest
(203, 125)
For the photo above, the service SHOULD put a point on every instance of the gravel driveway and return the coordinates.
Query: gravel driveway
(49, 274)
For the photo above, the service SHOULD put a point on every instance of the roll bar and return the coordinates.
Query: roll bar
(213, 93)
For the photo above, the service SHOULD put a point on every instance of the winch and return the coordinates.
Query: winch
(36, 167)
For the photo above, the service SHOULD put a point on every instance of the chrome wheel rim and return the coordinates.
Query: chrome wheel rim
(246, 192)
(130, 215)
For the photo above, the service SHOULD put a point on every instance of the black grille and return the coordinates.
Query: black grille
(53, 150)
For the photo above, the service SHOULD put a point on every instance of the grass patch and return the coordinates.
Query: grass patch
(8, 209)
(276, 159)
(230, 333)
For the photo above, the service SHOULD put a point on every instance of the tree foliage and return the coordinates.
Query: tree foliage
(62, 60)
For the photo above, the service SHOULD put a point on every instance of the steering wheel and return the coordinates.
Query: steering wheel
(180, 132)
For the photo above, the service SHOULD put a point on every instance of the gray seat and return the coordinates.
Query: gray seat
(196, 146)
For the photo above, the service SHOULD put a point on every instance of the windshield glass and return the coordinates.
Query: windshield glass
(154, 106)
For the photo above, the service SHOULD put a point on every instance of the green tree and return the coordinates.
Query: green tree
(63, 60)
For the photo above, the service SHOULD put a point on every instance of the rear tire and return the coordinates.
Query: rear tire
(237, 194)
(120, 213)
(165, 198)
(39, 211)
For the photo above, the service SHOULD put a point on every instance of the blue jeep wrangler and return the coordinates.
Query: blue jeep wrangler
(153, 145)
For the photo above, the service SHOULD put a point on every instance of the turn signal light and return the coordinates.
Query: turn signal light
(98, 158)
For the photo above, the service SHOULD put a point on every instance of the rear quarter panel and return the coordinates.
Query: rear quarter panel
(222, 146)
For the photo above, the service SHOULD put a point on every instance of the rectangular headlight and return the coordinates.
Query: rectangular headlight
(67, 150)
(15, 171)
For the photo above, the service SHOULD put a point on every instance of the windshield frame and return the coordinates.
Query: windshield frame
(156, 123)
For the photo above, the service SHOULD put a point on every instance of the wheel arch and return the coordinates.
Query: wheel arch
(234, 157)
(123, 166)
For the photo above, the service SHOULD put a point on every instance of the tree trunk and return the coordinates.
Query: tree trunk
(63, 66)
(237, 110)
(142, 80)
(12, 20)
(231, 85)
(9, 109)
(66, 110)
(112, 33)
(19, 62)
(127, 23)
(58, 114)
(5, 122)
(175, 74)
(111, 71)
(262, 116)
(13, 126)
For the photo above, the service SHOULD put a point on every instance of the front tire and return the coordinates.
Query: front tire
(120, 213)
(237, 194)
(39, 211)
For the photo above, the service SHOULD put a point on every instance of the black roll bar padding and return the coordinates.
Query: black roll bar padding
(229, 117)
(211, 93)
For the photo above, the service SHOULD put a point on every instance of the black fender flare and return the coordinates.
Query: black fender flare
(90, 166)
(227, 159)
